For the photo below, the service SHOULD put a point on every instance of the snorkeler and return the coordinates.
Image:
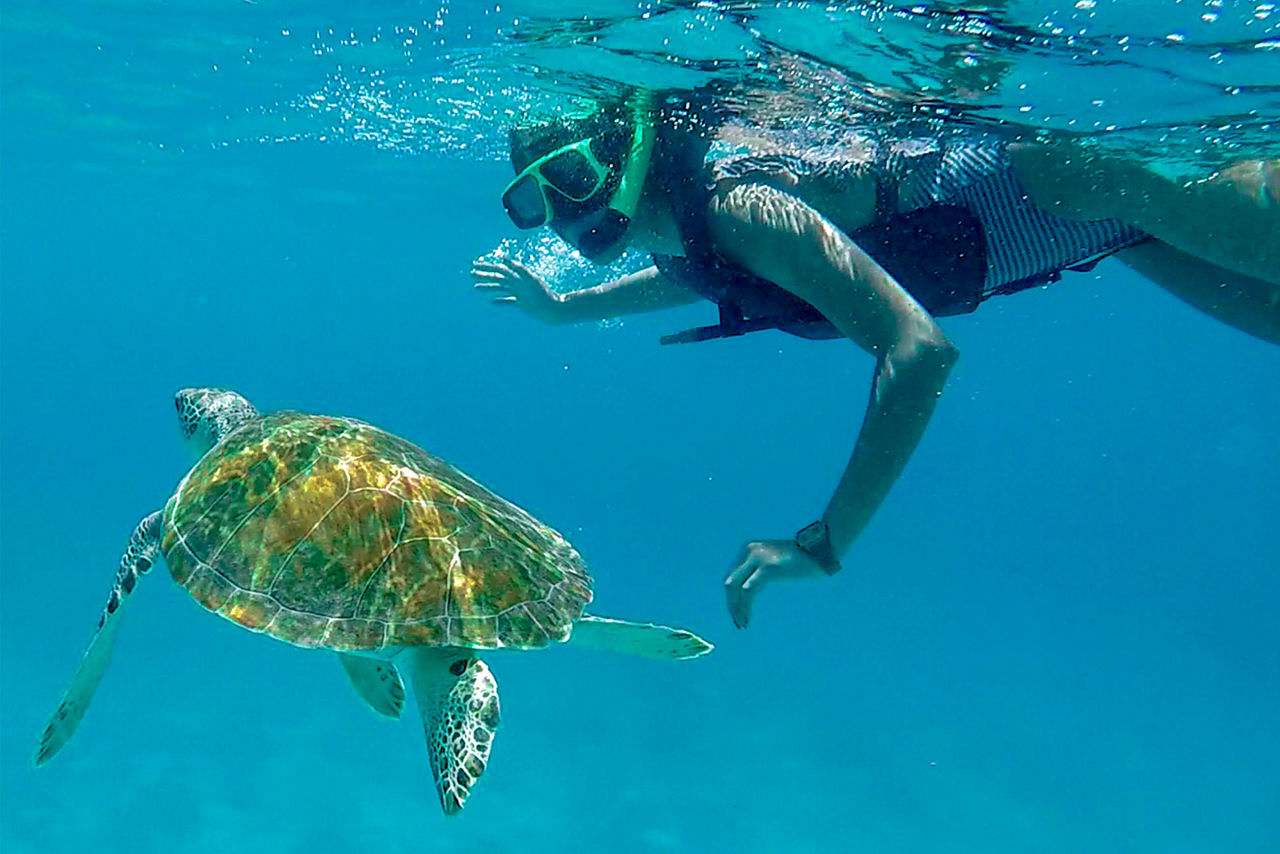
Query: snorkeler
(871, 248)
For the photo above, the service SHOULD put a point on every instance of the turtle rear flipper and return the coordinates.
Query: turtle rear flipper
(143, 548)
(377, 683)
(458, 698)
(643, 639)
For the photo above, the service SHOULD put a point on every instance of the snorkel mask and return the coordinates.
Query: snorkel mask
(565, 185)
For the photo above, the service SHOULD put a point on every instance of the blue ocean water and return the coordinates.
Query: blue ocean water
(1059, 633)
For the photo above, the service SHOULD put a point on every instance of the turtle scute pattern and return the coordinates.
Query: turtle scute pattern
(330, 532)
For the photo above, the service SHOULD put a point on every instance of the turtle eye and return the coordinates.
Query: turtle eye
(459, 667)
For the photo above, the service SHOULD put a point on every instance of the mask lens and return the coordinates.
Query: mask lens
(525, 203)
(573, 175)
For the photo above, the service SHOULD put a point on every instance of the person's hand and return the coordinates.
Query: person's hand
(761, 562)
(508, 282)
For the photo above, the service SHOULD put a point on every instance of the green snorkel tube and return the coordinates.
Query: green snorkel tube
(609, 225)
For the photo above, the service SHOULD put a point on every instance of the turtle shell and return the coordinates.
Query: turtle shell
(329, 532)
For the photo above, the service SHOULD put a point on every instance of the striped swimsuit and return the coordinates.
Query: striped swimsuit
(1023, 241)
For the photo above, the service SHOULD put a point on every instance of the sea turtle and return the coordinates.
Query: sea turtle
(328, 532)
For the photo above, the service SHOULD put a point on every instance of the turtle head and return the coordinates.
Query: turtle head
(205, 415)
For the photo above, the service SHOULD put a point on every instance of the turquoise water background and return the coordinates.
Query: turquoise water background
(1059, 634)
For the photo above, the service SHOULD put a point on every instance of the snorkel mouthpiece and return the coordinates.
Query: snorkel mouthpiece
(599, 242)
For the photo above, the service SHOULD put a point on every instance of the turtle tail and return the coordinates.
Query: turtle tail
(144, 547)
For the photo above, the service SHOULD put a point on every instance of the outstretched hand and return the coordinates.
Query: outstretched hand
(508, 282)
(761, 562)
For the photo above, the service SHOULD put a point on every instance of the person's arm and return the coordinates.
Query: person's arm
(511, 283)
(645, 290)
(778, 237)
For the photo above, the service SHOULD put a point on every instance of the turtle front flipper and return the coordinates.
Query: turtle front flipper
(144, 547)
(377, 683)
(643, 639)
(458, 698)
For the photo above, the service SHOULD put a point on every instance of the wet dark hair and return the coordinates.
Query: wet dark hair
(609, 128)
(686, 122)
(696, 114)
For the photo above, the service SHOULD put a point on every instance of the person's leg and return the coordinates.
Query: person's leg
(1249, 304)
(1230, 219)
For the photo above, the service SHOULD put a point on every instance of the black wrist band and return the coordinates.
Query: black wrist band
(815, 541)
